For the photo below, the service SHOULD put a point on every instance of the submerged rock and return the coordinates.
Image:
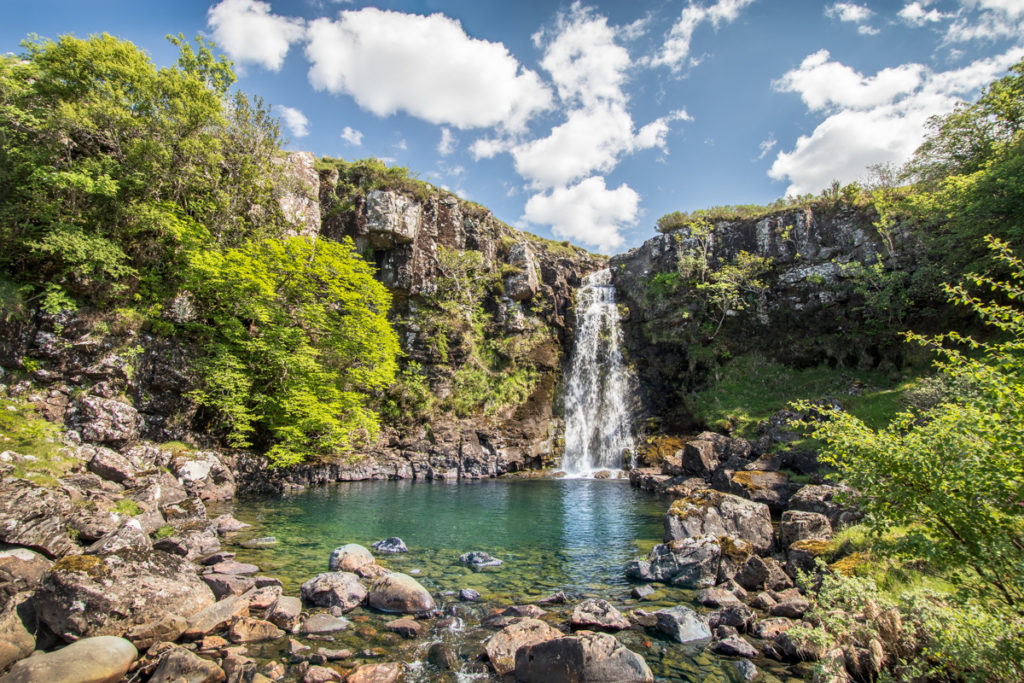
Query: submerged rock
(477, 559)
(390, 545)
(102, 659)
(469, 595)
(598, 614)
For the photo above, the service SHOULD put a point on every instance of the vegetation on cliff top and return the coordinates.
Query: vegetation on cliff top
(152, 190)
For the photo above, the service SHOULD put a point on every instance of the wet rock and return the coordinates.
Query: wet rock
(331, 589)
(554, 599)
(179, 664)
(92, 595)
(384, 672)
(250, 630)
(107, 421)
(260, 543)
(477, 559)
(111, 465)
(405, 627)
(399, 592)
(682, 624)
(688, 563)
(16, 639)
(214, 558)
(502, 646)
(129, 535)
(374, 571)
(734, 646)
(228, 584)
(227, 524)
(390, 545)
(710, 513)
(598, 614)
(321, 674)
(101, 659)
(348, 558)
(641, 592)
(588, 657)
(285, 612)
(324, 623)
(469, 595)
(32, 516)
(167, 628)
(745, 669)
(216, 617)
(799, 525)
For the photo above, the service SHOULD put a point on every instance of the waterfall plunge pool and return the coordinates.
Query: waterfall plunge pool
(571, 535)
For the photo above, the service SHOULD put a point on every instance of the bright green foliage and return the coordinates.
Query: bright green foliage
(24, 431)
(111, 169)
(955, 471)
(298, 340)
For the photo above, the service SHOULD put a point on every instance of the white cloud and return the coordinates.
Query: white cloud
(823, 83)
(424, 65)
(878, 120)
(915, 14)
(584, 61)
(866, 30)
(352, 136)
(848, 11)
(447, 144)
(1013, 8)
(248, 32)
(676, 48)
(588, 212)
(767, 145)
(401, 144)
(295, 120)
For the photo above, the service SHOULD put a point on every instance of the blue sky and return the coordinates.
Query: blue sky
(587, 121)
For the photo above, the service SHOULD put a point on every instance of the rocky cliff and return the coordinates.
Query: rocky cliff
(809, 311)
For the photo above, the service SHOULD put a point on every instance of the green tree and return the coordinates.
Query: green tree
(955, 472)
(298, 345)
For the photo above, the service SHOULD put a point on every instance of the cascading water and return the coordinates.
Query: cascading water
(597, 426)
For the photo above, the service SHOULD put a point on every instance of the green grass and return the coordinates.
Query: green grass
(129, 507)
(25, 432)
(749, 388)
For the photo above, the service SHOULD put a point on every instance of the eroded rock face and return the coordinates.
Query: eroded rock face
(33, 516)
(299, 192)
(93, 595)
(205, 476)
(108, 422)
(103, 659)
(710, 513)
(16, 639)
(392, 218)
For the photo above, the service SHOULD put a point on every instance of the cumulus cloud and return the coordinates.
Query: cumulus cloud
(424, 65)
(915, 14)
(853, 13)
(880, 120)
(295, 120)
(1013, 8)
(676, 48)
(249, 33)
(447, 144)
(352, 136)
(587, 211)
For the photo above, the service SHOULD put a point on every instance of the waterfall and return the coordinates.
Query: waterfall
(597, 427)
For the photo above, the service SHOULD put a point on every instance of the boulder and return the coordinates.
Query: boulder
(762, 572)
(390, 545)
(821, 498)
(502, 646)
(477, 559)
(769, 629)
(33, 516)
(92, 595)
(682, 624)
(734, 646)
(793, 608)
(710, 513)
(251, 630)
(204, 475)
(323, 623)
(586, 657)
(688, 563)
(179, 665)
(737, 616)
(802, 556)
(383, 672)
(349, 558)
(330, 589)
(190, 513)
(262, 599)
(771, 488)
(129, 536)
(22, 567)
(397, 592)
(216, 616)
(91, 522)
(391, 218)
(716, 597)
(111, 465)
(405, 627)
(165, 629)
(226, 524)
(285, 612)
(598, 614)
(323, 674)
(101, 659)
(228, 584)
(799, 525)
(522, 283)
(190, 543)
(16, 639)
(107, 421)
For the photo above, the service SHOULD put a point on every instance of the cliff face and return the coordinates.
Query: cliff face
(89, 362)
(807, 314)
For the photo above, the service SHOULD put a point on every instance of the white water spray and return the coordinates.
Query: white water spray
(597, 427)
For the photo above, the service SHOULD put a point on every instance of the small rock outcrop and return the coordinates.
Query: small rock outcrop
(102, 659)
(710, 513)
(586, 657)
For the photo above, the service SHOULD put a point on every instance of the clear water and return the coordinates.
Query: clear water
(572, 535)
(598, 434)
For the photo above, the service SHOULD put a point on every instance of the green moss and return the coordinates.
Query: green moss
(85, 564)
(25, 432)
(127, 506)
(655, 449)
(695, 503)
(163, 532)
(814, 547)
(733, 550)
